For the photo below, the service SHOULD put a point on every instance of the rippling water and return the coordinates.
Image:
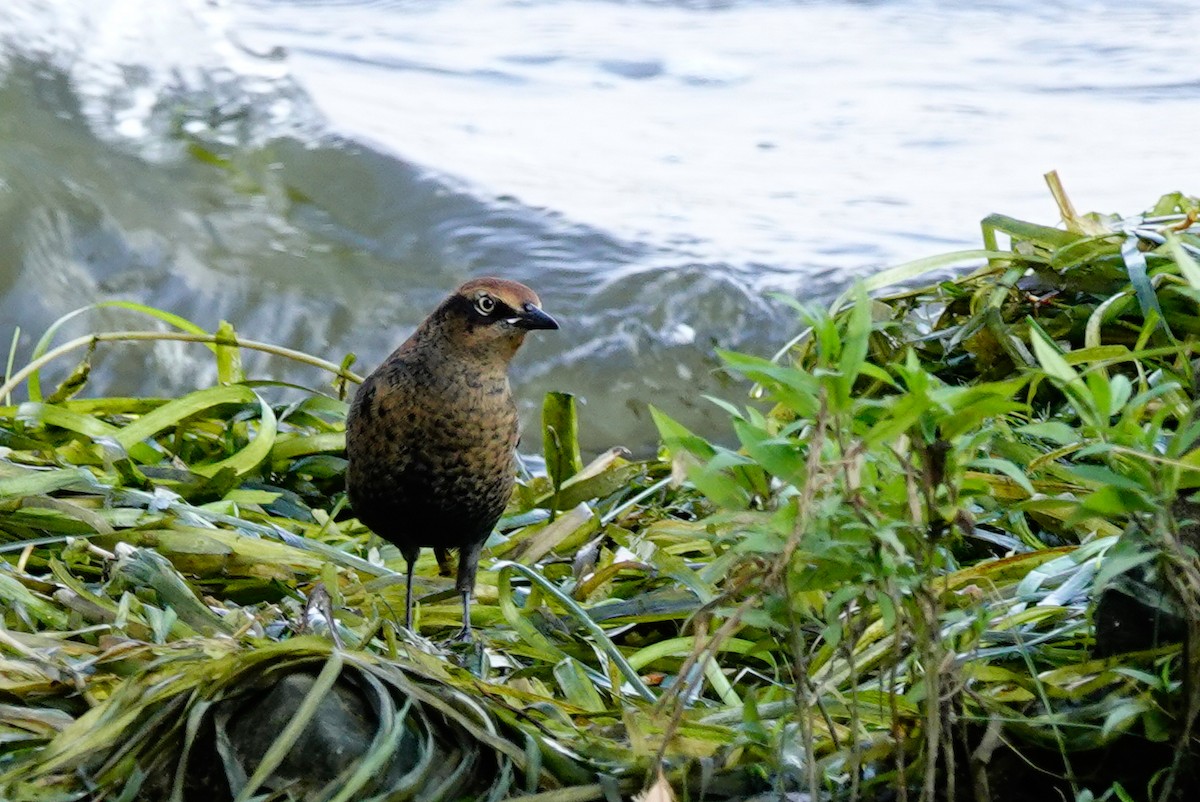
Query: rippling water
(320, 173)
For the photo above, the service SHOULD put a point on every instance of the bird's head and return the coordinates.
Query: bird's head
(491, 316)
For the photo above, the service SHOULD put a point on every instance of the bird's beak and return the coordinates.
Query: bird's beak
(532, 317)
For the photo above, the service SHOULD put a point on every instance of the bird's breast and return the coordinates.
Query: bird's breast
(432, 447)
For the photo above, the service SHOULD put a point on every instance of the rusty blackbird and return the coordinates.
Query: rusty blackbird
(432, 434)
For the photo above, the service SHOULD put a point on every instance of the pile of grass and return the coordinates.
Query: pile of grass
(889, 584)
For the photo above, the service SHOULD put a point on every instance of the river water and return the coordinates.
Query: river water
(321, 172)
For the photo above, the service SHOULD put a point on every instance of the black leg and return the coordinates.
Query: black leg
(468, 566)
(410, 560)
(408, 596)
(445, 564)
(465, 632)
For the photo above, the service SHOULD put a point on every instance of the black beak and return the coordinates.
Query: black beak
(533, 318)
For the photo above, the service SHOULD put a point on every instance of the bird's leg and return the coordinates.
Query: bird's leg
(408, 596)
(410, 560)
(445, 564)
(468, 565)
(465, 632)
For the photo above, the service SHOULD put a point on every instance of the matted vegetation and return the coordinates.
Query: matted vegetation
(890, 585)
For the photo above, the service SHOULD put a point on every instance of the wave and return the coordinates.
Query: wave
(145, 155)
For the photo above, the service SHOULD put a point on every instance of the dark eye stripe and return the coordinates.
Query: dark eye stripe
(500, 311)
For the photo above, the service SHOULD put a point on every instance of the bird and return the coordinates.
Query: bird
(432, 433)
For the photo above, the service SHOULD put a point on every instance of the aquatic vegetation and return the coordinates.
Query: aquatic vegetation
(890, 583)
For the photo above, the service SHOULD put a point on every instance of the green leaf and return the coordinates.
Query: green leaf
(1005, 467)
(780, 456)
(291, 446)
(1115, 502)
(1121, 559)
(30, 482)
(678, 438)
(793, 387)
(855, 344)
(1189, 268)
(908, 271)
(1053, 431)
(560, 437)
(1048, 237)
(1058, 369)
(1135, 263)
(1100, 475)
(720, 486)
(601, 638)
(601, 477)
(175, 412)
(43, 344)
(1050, 356)
(578, 688)
(18, 598)
(229, 356)
(87, 425)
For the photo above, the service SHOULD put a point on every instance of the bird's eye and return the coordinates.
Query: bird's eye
(485, 304)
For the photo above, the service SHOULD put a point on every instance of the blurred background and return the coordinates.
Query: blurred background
(322, 172)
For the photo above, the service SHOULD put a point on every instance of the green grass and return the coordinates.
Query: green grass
(930, 490)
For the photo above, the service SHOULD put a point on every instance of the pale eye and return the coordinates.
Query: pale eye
(485, 304)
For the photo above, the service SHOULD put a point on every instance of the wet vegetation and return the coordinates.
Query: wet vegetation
(953, 556)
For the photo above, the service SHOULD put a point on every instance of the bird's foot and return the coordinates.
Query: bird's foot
(464, 635)
(468, 650)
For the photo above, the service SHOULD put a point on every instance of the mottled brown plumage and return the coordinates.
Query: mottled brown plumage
(432, 433)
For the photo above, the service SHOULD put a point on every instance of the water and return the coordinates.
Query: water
(321, 173)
